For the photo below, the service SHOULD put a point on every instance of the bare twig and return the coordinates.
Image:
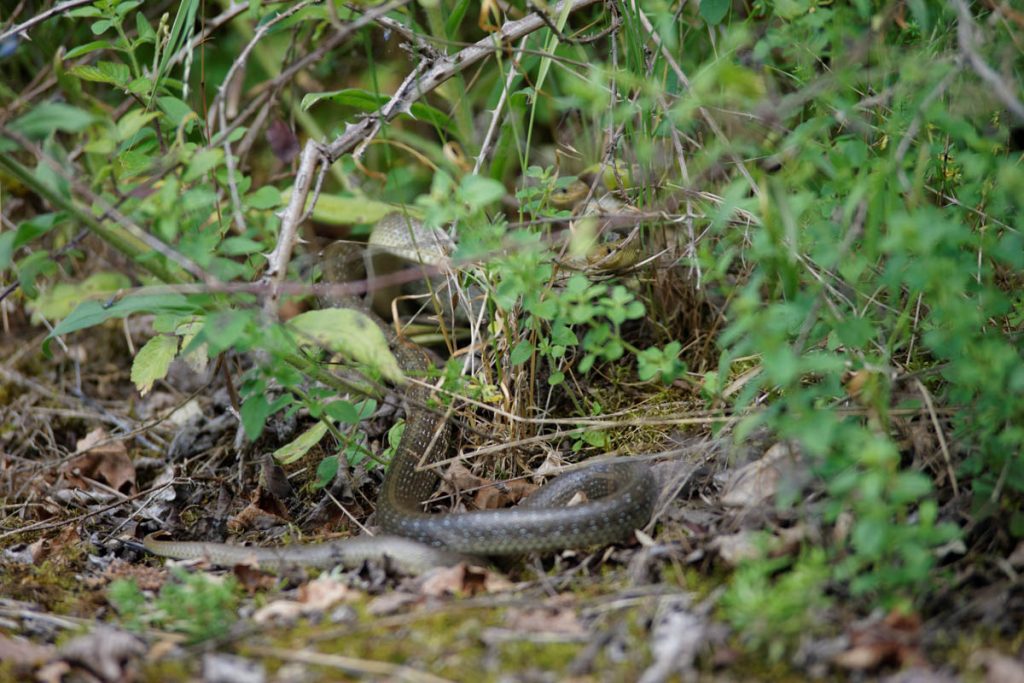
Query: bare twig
(965, 33)
(23, 28)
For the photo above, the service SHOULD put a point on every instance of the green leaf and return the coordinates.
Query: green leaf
(176, 110)
(239, 246)
(132, 122)
(480, 191)
(87, 48)
(366, 101)
(713, 11)
(351, 333)
(152, 361)
(326, 471)
(40, 122)
(267, 197)
(58, 301)
(35, 265)
(521, 353)
(91, 313)
(112, 73)
(203, 162)
(298, 447)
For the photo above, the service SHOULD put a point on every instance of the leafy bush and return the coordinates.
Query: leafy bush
(839, 174)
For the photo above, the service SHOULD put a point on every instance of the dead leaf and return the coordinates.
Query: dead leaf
(677, 637)
(738, 547)
(107, 653)
(23, 654)
(503, 494)
(146, 578)
(556, 616)
(462, 579)
(998, 667)
(314, 597)
(107, 463)
(392, 603)
(757, 482)
(894, 640)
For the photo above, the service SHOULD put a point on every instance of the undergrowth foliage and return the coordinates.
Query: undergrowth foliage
(840, 181)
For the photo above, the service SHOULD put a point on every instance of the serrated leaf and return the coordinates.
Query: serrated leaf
(300, 445)
(351, 333)
(152, 361)
(111, 73)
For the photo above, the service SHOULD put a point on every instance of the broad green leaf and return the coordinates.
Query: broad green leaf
(45, 119)
(521, 353)
(152, 361)
(481, 191)
(112, 73)
(351, 333)
(239, 246)
(132, 122)
(349, 413)
(713, 11)
(33, 266)
(298, 447)
(58, 301)
(87, 48)
(175, 109)
(267, 197)
(132, 162)
(326, 471)
(91, 313)
(203, 162)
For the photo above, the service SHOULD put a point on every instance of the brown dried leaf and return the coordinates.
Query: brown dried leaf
(462, 579)
(894, 640)
(23, 654)
(757, 482)
(998, 667)
(107, 653)
(557, 616)
(108, 463)
(314, 597)
(146, 578)
(392, 603)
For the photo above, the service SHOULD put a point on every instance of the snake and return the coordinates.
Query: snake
(618, 496)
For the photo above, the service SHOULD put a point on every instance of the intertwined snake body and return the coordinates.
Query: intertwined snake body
(619, 496)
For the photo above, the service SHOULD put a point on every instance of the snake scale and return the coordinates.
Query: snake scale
(619, 496)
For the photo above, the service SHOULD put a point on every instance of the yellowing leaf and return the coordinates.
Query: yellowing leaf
(336, 210)
(295, 449)
(351, 333)
(58, 301)
(152, 361)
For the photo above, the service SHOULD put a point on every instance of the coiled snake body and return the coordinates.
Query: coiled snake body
(619, 496)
